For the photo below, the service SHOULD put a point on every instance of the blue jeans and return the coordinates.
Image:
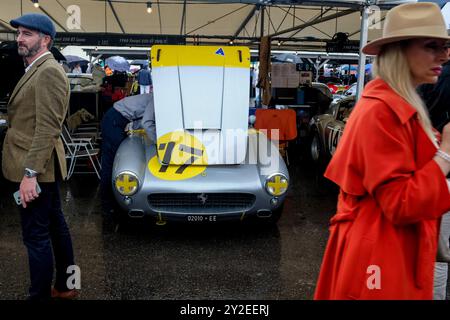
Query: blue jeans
(45, 233)
(441, 268)
(113, 125)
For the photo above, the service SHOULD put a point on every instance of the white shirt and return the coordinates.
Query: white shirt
(77, 70)
(42, 55)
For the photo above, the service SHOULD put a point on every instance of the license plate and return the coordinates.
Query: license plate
(201, 218)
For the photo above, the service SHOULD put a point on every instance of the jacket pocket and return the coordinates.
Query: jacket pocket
(13, 157)
(19, 139)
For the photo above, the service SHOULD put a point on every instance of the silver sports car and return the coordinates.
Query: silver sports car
(219, 192)
(207, 165)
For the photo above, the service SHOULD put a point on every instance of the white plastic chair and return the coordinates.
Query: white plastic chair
(77, 148)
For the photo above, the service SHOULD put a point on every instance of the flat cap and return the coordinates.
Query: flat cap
(35, 21)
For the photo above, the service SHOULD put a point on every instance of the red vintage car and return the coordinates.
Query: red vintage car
(337, 88)
(334, 83)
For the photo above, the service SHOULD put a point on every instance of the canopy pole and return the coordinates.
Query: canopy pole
(362, 57)
(317, 66)
(261, 12)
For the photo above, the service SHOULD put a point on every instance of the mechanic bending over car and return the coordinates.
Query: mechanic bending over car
(139, 110)
(391, 167)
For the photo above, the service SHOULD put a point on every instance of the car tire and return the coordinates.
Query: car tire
(318, 157)
(316, 150)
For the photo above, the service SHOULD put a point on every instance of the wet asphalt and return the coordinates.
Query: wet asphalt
(141, 260)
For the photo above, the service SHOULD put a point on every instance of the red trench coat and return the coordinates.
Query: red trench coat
(392, 195)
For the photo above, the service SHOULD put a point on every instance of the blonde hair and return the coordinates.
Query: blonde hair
(391, 66)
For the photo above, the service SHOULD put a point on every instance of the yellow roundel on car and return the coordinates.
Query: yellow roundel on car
(126, 183)
(277, 184)
(180, 156)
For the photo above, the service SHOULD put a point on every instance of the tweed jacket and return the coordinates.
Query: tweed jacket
(36, 111)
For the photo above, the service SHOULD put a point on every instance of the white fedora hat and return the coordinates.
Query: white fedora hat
(409, 21)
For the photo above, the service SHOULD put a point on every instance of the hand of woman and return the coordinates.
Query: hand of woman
(445, 142)
(445, 147)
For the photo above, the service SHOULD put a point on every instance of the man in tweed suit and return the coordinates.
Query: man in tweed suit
(33, 152)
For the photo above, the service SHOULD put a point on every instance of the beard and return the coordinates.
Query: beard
(29, 52)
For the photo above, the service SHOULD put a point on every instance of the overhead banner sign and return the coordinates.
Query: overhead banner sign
(116, 39)
(349, 46)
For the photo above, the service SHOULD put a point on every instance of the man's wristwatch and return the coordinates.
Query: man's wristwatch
(30, 173)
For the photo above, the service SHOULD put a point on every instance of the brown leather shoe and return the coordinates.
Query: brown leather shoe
(71, 294)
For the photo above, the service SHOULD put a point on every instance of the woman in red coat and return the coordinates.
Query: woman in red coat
(391, 166)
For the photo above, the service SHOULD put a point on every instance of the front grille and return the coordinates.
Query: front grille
(201, 202)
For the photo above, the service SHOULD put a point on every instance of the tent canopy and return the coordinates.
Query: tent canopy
(304, 25)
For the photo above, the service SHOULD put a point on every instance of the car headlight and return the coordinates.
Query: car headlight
(126, 183)
(277, 184)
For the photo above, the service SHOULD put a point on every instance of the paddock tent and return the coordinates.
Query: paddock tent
(303, 25)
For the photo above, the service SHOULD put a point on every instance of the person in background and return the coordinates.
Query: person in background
(108, 71)
(90, 67)
(252, 82)
(437, 99)
(138, 109)
(391, 168)
(98, 74)
(144, 79)
(33, 152)
(77, 69)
